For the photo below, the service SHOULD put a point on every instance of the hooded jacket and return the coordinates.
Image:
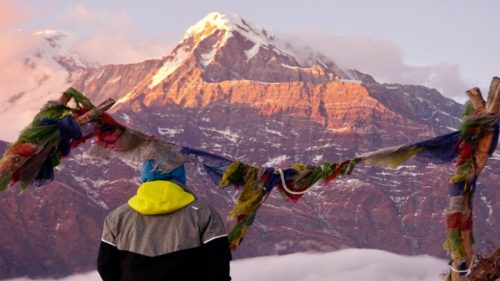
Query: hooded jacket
(164, 233)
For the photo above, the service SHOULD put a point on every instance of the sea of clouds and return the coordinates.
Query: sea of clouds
(345, 265)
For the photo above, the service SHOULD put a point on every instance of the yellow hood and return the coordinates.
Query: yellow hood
(159, 197)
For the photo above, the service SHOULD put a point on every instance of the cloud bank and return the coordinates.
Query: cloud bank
(15, 75)
(346, 265)
(350, 264)
(110, 37)
(385, 61)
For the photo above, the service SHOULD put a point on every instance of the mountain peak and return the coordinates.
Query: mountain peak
(229, 23)
(227, 47)
(213, 20)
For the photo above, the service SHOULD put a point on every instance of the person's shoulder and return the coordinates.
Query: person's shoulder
(202, 206)
(203, 209)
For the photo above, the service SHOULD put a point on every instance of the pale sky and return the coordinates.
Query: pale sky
(448, 44)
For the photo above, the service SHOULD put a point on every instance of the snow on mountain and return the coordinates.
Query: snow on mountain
(230, 24)
(170, 65)
(260, 37)
(59, 53)
(219, 35)
(219, 48)
(46, 72)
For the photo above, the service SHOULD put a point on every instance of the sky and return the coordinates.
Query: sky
(349, 264)
(447, 44)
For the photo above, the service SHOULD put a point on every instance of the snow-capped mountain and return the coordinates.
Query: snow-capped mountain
(227, 47)
(52, 66)
(59, 53)
(236, 89)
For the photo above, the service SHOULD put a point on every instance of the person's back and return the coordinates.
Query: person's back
(164, 233)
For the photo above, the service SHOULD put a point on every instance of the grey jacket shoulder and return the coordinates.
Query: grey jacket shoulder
(154, 235)
(117, 213)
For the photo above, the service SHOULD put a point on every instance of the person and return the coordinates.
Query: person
(164, 233)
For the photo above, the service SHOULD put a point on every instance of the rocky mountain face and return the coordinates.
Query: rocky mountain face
(235, 89)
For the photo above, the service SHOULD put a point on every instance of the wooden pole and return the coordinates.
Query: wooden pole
(461, 258)
(493, 102)
(481, 154)
(65, 98)
(95, 112)
(476, 98)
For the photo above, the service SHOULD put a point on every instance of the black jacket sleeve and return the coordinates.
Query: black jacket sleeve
(219, 256)
(108, 262)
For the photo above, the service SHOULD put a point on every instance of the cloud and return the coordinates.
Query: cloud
(385, 61)
(15, 75)
(105, 37)
(350, 264)
(110, 37)
(15, 45)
